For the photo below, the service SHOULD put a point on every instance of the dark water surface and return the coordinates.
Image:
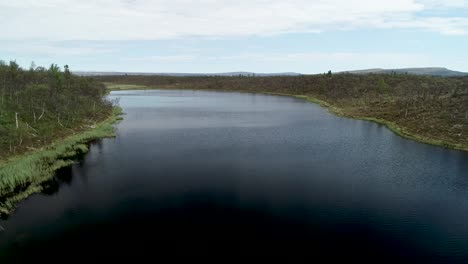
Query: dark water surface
(202, 173)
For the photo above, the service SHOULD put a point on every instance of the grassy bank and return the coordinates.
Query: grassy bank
(22, 176)
(389, 124)
(335, 108)
(119, 87)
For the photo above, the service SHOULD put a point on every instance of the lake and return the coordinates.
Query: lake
(202, 173)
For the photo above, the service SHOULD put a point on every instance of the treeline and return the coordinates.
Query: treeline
(432, 107)
(38, 105)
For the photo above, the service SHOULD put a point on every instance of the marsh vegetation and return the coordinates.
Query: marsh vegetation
(46, 117)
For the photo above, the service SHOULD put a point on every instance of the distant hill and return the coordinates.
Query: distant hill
(434, 71)
(92, 73)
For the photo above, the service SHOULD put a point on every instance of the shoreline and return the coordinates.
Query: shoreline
(392, 126)
(336, 110)
(22, 175)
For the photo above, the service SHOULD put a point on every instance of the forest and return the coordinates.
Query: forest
(38, 105)
(47, 117)
(430, 109)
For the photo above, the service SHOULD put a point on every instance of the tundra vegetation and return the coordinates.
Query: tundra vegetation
(46, 118)
(429, 109)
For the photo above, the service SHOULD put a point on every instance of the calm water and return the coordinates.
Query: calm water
(211, 172)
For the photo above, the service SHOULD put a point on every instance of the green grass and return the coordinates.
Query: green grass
(22, 176)
(117, 87)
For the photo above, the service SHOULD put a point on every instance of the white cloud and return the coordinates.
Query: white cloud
(445, 3)
(52, 49)
(165, 19)
(163, 58)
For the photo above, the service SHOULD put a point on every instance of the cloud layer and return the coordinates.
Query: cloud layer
(57, 20)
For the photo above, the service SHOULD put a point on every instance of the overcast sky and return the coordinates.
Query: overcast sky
(307, 36)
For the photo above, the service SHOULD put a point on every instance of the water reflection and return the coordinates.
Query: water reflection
(62, 176)
(208, 170)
